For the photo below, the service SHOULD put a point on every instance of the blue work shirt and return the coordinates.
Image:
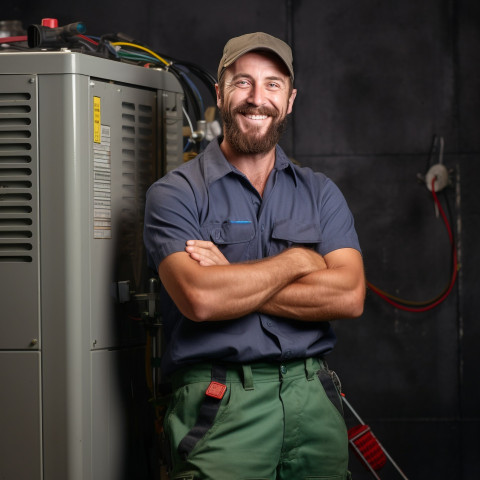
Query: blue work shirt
(209, 199)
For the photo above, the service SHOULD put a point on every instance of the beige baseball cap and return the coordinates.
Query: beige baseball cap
(238, 46)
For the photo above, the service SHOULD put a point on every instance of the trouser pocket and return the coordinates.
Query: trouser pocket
(208, 411)
(331, 385)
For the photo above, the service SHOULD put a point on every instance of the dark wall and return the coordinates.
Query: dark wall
(376, 80)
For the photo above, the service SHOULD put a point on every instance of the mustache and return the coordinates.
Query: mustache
(247, 109)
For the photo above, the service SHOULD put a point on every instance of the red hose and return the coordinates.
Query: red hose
(454, 272)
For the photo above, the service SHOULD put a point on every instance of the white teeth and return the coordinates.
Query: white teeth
(257, 117)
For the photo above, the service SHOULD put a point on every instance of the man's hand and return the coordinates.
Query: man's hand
(205, 253)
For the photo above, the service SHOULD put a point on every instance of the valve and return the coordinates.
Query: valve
(49, 35)
(439, 173)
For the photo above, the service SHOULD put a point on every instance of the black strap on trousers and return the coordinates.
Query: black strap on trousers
(208, 410)
(328, 378)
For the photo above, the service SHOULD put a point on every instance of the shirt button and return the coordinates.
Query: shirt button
(262, 228)
(283, 369)
(269, 324)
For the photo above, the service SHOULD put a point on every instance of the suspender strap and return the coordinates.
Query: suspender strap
(208, 410)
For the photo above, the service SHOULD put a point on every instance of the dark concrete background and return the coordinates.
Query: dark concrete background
(377, 80)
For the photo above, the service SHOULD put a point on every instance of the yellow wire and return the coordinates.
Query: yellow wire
(143, 48)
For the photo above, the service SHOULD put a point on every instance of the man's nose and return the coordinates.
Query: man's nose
(257, 95)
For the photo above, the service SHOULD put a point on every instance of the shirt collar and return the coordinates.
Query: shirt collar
(217, 166)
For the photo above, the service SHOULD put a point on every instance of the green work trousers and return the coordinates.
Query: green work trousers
(275, 421)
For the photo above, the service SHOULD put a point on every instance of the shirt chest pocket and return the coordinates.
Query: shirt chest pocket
(290, 233)
(232, 238)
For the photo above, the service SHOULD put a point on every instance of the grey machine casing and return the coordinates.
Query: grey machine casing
(81, 139)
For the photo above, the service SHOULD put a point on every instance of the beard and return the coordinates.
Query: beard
(252, 141)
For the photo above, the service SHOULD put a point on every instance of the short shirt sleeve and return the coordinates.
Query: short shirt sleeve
(170, 218)
(337, 222)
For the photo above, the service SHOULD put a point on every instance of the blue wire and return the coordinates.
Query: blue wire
(187, 145)
(195, 89)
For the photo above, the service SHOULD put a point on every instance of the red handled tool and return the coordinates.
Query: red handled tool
(366, 446)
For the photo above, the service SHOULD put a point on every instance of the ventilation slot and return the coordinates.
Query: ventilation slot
(16, 178)
(172, 130)
(137, 170)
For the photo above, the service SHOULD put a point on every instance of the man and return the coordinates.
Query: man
(255, 255)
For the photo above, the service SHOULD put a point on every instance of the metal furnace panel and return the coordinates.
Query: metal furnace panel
(70, 226)
(19, 287)
(21, 450)
(123, 166)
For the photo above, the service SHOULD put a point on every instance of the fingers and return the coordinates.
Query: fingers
(205, 253)
(201, 243)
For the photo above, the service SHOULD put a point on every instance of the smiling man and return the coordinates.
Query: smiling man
(255, 255)
(243, 94)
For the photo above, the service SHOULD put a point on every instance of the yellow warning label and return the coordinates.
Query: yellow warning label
(97, 128)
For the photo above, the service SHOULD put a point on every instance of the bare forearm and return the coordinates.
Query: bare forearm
(222, 292)
(323, 295)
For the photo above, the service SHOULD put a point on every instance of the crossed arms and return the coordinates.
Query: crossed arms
(298, 284)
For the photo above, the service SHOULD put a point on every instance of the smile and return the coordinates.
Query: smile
(257, 117)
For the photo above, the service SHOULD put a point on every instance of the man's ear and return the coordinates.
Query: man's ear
(219, 98)
(291, 100)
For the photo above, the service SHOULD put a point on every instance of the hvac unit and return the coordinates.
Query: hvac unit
(81, 139)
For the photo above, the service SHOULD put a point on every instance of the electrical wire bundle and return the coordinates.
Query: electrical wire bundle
(417, 307)
(123, 48)
(129, 50)
(126, 49)
(195, 106)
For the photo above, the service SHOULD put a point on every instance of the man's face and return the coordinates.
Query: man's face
(254, 102)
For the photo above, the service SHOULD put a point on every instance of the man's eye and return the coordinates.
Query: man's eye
(242, 83)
